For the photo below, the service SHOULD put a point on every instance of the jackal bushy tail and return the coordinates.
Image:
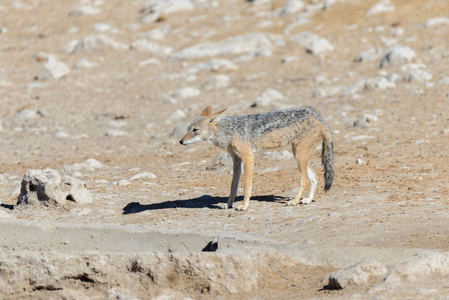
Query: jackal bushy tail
(327, 159)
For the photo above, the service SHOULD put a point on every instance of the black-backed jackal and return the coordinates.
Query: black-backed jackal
(242, 135)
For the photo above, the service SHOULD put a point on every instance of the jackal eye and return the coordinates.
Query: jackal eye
(194, 129)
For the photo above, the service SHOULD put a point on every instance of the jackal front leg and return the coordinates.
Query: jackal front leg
(248, 163)
(236, 172)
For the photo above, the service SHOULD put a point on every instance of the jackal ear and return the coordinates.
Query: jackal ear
(206, 112)
(217, 116)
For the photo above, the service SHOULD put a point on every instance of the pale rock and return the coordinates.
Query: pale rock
(378, 83)
(156, 34)
(291, 7)
(25, 115)
(365, 121)
(236, 45)
(61, 135)
(381, 7)
(163, 8)
(101, 27)
(278, 155)
(85, 64)
(143, 175)
(123, 182)
(52, 69)
(117, 123)
(369, 55)
(313, 43)
(437, 21)
(221, 65)
(421, 266)
(89, 165)
(154, 48)
(83, 10)
(296, 23)
(396, 55)
(329, 3)
(80, 211)
(360, 161)
(268, 97)
(183, 93)
(289, 59)
(180, 129)
(216, 82)
(397, 31)
(417, 75)
(151, 61)
(328, 91)
(47, 187)
(177, 115)
(95, 42)
(116, 133)
(221, 160)
(358, 275)
(444, 80)
(6, 215)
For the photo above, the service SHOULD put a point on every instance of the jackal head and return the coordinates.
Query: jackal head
(202, 128)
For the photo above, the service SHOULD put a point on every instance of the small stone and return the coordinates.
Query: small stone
(24, 115)
(216, 82)
(268, 97)
(438, 21)
(52, 69)
(381, 7)
(289, 59)
(291, 7)
(143, 175)
(236, 45)
(396, 55)
(151, 61)
(183, 93)
(221, 160)
(156, 34)
(313, 43)
(417, 75)
(116, 133)
(101, 27)
(154, 48)
(360, 161)
(85, 64)
(278, 155)
(123, 182)
(61, 135)
(83, 10)
(94, 42)
(369, 55)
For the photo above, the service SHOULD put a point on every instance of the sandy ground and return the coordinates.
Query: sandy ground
(395, 196)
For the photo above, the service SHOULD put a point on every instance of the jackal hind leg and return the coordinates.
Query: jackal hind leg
(301, 151)
(313, 182)
(248, 164)
(236, 173)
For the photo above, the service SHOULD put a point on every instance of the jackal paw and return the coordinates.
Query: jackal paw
(306, 200)
(292, 203)
(221, 205)
(240, 207)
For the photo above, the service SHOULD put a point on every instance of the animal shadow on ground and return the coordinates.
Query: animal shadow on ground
(200, 202)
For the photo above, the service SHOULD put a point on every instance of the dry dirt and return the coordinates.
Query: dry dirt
(396, 199)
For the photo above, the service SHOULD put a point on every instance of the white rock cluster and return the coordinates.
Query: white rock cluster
(47, 187)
